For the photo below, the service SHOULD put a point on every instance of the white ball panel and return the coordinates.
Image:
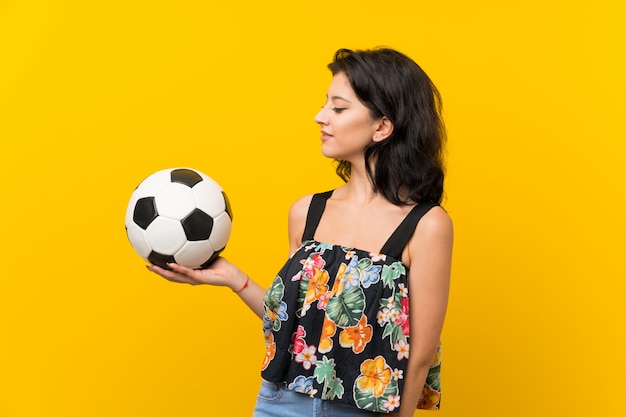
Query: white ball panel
(153, 184)
(138, 240)
(221, 231)
(209, 198)
(194, 254)
(175, 201)
(165, 235)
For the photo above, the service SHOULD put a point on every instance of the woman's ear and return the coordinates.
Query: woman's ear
(384, 130)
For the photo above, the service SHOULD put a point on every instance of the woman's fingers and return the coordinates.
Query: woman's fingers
(220, 273)
(173, 275)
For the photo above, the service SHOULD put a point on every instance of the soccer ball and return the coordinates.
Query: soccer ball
(178, 215)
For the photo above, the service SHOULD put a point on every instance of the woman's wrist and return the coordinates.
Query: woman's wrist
(238, 289)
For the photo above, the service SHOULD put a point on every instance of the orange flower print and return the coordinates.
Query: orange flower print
(375, 376)
(429, 399)
(339, 282)
(317, 286)
(328, 331)
(357, 336)
(437, 359)
(271, 351)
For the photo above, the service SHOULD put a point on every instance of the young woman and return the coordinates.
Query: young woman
(369, 270)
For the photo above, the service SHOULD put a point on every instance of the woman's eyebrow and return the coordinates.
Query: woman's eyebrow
(340, 98)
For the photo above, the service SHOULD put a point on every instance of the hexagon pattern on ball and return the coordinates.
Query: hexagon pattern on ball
(179, 215)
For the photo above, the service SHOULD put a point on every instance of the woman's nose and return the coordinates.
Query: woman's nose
(320, 117)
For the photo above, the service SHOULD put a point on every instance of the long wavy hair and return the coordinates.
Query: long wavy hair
(407, 167)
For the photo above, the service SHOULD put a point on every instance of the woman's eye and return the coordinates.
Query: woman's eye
(338, 109)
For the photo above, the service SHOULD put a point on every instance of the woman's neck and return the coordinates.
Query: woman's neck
(359, 189)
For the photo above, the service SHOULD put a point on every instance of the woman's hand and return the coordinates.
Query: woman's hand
(220, 273)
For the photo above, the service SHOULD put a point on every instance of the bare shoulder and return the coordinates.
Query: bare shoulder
(436, 222)
(433, 237)
(297, 219)
(299, 209)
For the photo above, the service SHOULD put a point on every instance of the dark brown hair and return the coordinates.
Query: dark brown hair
(407, 166)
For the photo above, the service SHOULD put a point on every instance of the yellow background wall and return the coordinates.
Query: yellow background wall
(96, 95)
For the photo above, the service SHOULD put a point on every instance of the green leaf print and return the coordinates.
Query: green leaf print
(365, 263)
(392, 272)
(388, 330)
(391, 328)
(433, 378)
(333, 390)
(345, 309)
(274, 295)
(302, 289)
(324, 370)
(367, 400)
(394, 332)
(325, 373)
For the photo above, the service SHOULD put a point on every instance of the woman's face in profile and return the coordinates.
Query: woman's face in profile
(346, 125)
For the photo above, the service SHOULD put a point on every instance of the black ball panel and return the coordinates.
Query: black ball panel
(197, 225)
(186, 177)
(229, 211)
(145, 212)
(159, 259)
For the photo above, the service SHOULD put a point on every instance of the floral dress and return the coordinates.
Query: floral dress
(336, 321)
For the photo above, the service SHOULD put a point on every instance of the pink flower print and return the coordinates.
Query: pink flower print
(403, 317)
(297, 277)
(307, 357)
(392, 402)
(397, 374)
(377, 257)
(383, 316)
(323, 300)
(298, 340)
(313, 262)
(402, 347)
(403, 321)
(405, 304)
(307, 265)
(394, 315)
(404, 291)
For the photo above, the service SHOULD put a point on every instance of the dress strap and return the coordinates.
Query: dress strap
(400, 237)
(313, 217)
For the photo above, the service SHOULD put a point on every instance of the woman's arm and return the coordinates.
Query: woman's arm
(430, 254)
(223, 273)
